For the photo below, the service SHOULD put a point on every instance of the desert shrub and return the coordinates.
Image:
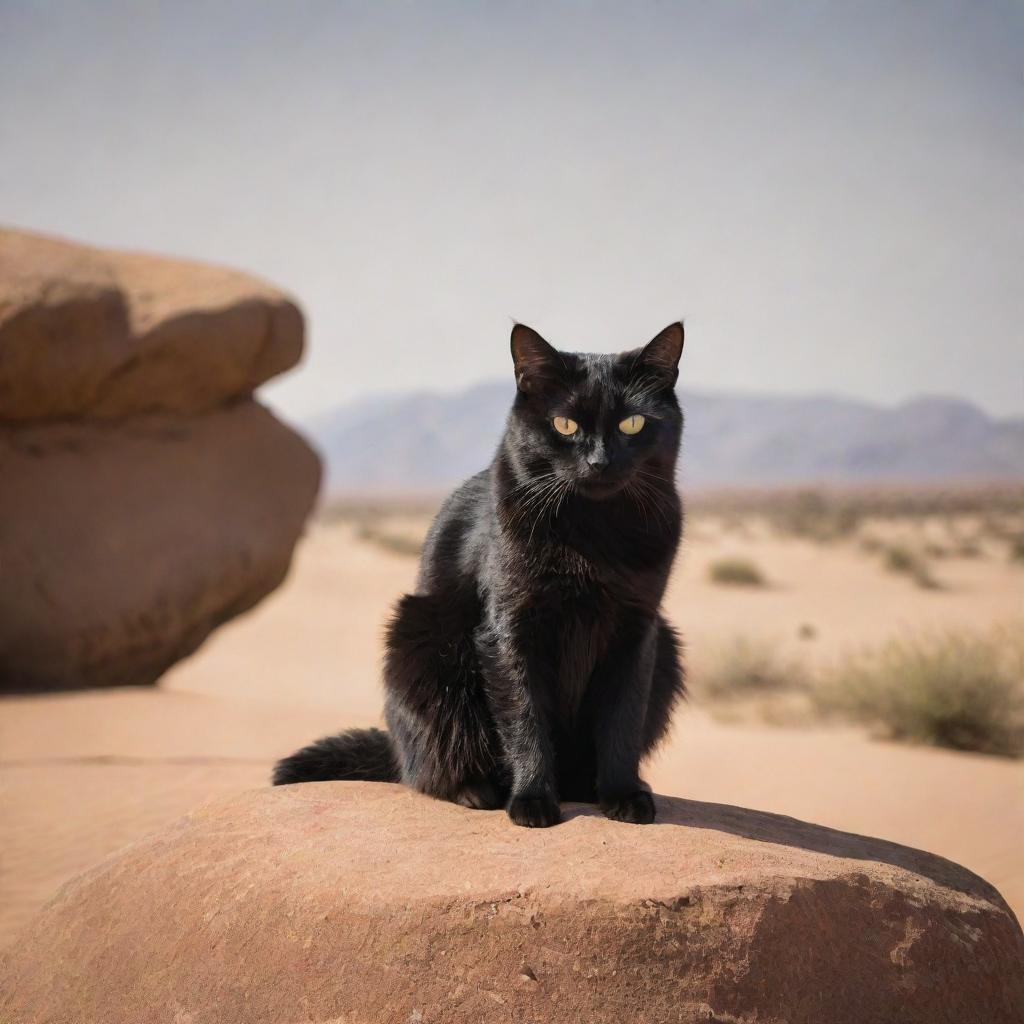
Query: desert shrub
(901, 559)
(969, 549)
(923, 577)
(1006, 529)
(736, 571)
(747, 667)
(830, 513)
(997, 503)
(954, 689)
(1017, 548)
(815, 516)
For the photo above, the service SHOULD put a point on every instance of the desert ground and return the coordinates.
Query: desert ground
(84, 773)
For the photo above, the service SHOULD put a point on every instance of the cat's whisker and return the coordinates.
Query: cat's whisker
(644, 499)
(569, 488)
(530, 488)
(638, 501)
(546, 506)
(537, 500)
(540, 492)
(654, 497)
(660, 502)
(551, 504)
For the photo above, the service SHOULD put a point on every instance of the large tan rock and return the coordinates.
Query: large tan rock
(365, 903)
(122, 547)
(86, 332)
(145, 498)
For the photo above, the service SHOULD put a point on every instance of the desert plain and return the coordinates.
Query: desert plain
(83, 773)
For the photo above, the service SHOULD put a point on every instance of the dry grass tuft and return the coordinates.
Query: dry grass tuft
(901, 559)
(736, 571)
(835, 514)
(814, 516)
(951, 689)
(748, 667)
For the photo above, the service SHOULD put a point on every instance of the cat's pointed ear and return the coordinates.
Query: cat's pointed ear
(660, 355)
(535, 360)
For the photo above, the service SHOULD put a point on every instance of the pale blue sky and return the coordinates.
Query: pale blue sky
(830, 192)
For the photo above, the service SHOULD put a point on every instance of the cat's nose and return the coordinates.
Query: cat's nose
(597, 459)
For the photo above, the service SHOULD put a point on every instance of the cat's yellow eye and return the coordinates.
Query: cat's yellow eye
(632, 424)
(565, 426)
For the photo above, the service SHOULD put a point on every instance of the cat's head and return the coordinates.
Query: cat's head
(599, 422)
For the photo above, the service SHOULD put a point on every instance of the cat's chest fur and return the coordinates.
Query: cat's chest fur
(603, 578)
(577, 608)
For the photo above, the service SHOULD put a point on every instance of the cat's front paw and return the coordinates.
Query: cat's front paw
(637, 808)
(534, 811)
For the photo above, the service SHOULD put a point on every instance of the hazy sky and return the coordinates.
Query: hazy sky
(831, 193)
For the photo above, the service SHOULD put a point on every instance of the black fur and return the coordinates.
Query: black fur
(363, 755)
(532, 664)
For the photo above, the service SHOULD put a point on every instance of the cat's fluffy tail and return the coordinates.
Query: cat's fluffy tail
(360, 755)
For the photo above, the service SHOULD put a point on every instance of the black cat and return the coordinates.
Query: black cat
(532, 664)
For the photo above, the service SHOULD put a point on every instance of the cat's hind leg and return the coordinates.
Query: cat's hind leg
(668, 685)
(435, 706)
(481, 794)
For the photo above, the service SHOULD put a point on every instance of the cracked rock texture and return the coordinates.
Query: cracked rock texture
(362, 902)
(145, 497)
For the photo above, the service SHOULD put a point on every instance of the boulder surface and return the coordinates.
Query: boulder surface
(123, 548)
(145, 497)
(92, 333)
(365, 903)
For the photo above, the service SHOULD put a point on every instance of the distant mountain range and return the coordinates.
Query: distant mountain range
(428, 441)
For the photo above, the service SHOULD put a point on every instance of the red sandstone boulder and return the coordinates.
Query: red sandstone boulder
(367, 904)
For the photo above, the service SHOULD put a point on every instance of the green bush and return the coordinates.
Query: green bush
(737, 571)
(952, 689)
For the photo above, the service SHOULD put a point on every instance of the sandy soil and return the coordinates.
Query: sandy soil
(82, 774)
